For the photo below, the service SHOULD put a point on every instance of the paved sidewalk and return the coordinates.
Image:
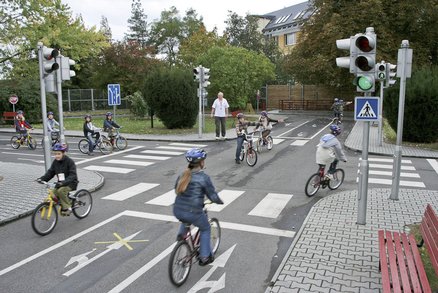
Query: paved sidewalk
(19, 194)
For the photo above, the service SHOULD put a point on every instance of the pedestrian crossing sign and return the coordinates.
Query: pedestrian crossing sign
(366, 109)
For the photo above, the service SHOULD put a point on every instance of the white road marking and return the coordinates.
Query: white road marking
(155, 152)
(189, 145)
(109, 169)
(434, 164)
(165, 199)
(389, 173)
(277, 140)
(387, 160)
(299, 142)
(110, 155)
(271, 205)
(128, 162)
(227, 196)
(130, 191)
(402, 183)
(21, 154)
(380, 166)
(144, 157)
(176, 148)
(292, 129)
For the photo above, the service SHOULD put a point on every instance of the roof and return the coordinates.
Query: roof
(287, 16)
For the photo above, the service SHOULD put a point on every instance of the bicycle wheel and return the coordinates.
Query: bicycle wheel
(83, 146)
(270, 142)
(215, 236)
(338, 178)
(31, 143)
(15, 142)
(105, 147)
(42, 222)
(82, 203)
(312, 185)
(121, 143)
(251, 157)
(259, 145)
(180, 263)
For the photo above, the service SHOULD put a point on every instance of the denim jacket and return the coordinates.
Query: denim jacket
(192, 199)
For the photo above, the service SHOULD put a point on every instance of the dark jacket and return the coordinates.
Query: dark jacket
(66, 166)
(108, 124)
(192, 199)
(87, 129)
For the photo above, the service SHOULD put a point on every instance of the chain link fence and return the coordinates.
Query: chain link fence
(88, 100)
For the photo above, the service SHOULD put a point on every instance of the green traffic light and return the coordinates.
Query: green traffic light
(364, 83)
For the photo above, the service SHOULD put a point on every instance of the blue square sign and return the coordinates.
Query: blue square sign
(366, 109)
(114, 98)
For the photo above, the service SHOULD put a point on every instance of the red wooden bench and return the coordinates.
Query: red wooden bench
(400, 261)
(9, 115)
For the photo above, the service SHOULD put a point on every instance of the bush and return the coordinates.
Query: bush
(420, 123)
(138, 105)
(171, 94)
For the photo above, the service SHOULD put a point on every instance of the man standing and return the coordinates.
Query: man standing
(219, 110)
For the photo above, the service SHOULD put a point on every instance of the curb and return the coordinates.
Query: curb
(388, 155)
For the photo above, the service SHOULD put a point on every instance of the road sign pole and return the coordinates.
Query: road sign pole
(402, 64)
(60, 108)
(380, 130)
(200, 104)
(47, 159)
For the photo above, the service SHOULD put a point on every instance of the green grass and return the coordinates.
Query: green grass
(430, 272)
(141, 126)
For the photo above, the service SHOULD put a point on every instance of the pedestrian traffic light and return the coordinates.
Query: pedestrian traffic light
(390, 74)
(197, 73)
(381, 73)
(49, 60)
(66, 73)
(205, 77)
(365, 60)
(346, 62)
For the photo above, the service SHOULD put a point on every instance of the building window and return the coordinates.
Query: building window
(290, 39)
(275, 39)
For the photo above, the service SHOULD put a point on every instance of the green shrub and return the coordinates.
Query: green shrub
(138, 105)
(420, 123)
(171, 94)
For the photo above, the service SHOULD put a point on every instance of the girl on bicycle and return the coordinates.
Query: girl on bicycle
(21, 125)
(90, 131)
(191, 187)
(51, 126)
(329, 150)
(266, 125)
(64, 168)
(109, 125)
(241, 130)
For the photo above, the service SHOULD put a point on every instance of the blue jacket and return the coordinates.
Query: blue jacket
(192, 199)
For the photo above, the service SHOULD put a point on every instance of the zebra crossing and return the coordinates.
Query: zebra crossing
(380, 172)
(270, 206)
(129, 162)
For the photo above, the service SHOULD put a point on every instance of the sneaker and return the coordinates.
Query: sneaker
(66, 212)
(91, 154)
(217, 137)
(206, 261)
(237, 161)
(329, 176)
(224, 137)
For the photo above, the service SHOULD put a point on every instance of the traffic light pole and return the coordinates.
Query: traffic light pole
(402, 65)
(200, 103)
(60, 108)
(380, 132)
(47, 160)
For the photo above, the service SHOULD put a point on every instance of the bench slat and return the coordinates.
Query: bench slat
(392, 262)
(386, 282)
(429, 231)
(416, 287)
(401, 262)
(421, 272)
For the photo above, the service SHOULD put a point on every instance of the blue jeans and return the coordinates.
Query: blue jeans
(200, 220)
(92, 142)
(240, 140)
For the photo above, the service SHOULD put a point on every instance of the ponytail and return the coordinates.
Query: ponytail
(184, 180)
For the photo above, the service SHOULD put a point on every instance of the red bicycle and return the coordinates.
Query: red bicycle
(320, 179)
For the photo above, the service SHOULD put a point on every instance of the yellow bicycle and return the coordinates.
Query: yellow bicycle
(45, 215)
(28, 140)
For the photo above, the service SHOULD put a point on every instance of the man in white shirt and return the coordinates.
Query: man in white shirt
(219, 110)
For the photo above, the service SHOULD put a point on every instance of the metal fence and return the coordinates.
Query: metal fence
(88, 100)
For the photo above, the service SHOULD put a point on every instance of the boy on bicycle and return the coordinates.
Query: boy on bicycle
(109, 125)
(90, 131)
(266, 125)
(191, 187)
(52, 131)
(21, 125)
(329, 150)
(241, 131)
(64, 168)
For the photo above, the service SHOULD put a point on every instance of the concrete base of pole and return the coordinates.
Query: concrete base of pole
(396, 173)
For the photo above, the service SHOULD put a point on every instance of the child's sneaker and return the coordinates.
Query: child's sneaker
(66, 212)
(329, 176)
(206, 261)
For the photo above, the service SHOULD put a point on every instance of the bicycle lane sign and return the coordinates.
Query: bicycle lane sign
(114, 98)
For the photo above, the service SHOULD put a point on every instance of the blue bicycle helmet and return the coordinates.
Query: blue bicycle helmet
(108, 114)
(335, 129)
(19, 112)
(60, 147)
(49, 113)
(87, 116)
(240, 115)
(195, 155)
(264, 113)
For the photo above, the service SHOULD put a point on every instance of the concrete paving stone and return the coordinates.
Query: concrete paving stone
(319, 276)
(341, 282)
(362, 274)
(365, 285)
(319, 289)
(288, 290)
(363, 258)
(300, 285)
(375, 285)
(344, 270)
(339, 260)
(285, 273)
(347, 289)
(369, 279)
(331, 286)
(334, 275)
(365, 290)
(333, 246)
(328, 251)
(297, 268)
(326, 267)
(312, 281)
(285, 283)
(306, 255)
(306, 275)
(293, 280)
(370, 263)
(275, 289)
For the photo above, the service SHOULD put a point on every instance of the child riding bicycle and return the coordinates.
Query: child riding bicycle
(109, 125)
(266, 125)
(52, 131)
(241, 130)
(90, 132)
(191, 187)
(64, 168)
(329, 150)
(21, 125)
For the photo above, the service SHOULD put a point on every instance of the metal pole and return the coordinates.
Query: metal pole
(60, 108)
(380, 131)
(47, 159)
(92, 99)
(69, 100)
(401, 108)
(200, 104)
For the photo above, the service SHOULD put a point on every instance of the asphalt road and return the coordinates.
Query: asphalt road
(125, 242)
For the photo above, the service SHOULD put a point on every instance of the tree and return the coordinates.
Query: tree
(237, 72)
(105, 29)
(171, 94)
(138, 26)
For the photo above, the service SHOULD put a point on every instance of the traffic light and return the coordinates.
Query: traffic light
(205, 77)
(49, 60)
(66, 73)
(197, 73)
(390, 74)
(346, 62)
(364, 60)
(381, 73)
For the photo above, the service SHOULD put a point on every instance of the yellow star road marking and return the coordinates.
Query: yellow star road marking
(121, 241)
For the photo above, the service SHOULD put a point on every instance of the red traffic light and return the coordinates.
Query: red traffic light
(365, 44)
